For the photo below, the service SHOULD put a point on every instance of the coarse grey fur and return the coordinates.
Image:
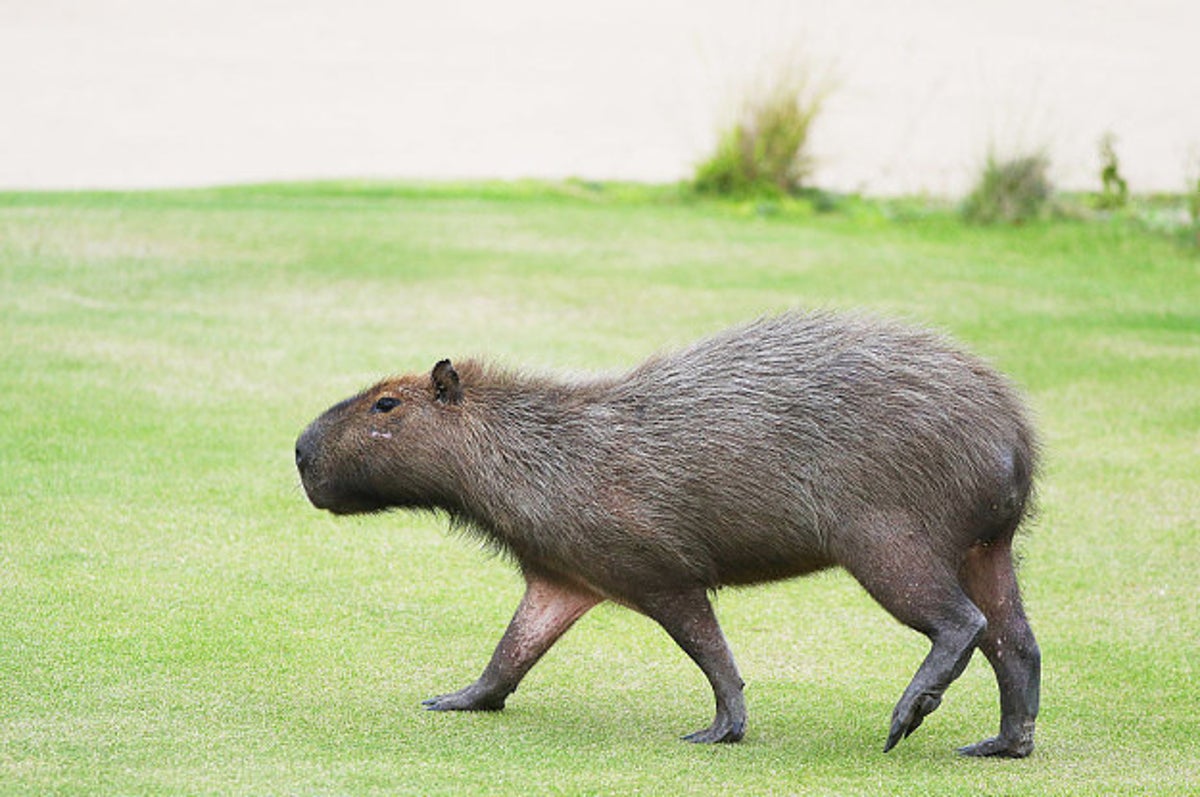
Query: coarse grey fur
(783, 447)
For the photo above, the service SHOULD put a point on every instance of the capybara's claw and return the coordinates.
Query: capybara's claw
(908, 716)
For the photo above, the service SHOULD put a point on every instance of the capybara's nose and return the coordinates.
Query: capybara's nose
(304, 450)
(302, 457)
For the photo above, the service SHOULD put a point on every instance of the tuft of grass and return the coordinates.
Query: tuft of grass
(1114, 191)
(176, 619)
(765, 150)
(1011, 190)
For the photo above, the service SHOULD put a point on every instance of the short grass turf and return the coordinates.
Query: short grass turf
(176, 619)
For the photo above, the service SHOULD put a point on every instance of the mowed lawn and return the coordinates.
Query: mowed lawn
(176, 619)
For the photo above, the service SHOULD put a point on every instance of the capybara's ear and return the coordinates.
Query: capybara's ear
(445, 383)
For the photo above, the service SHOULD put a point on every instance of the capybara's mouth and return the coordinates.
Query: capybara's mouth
(343, 503)
(359, 505)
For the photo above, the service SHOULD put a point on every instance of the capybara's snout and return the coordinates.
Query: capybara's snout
(303, 454)
(325, 487)
(307, 448)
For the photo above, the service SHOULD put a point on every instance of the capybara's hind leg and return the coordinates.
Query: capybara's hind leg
(546, 611)
(1009, 645)
(953, 626)
(898, 569)
(688, 617)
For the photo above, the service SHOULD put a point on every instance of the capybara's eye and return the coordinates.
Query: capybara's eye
(386, 404)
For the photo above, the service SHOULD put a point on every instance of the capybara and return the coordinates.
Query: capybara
(780, 448)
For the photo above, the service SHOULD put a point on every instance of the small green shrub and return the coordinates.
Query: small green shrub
(1013, 191)
(765, 151)
(1114, 191)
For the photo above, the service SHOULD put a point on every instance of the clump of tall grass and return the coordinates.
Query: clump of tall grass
(1010, 190)
(1114, 191)
(765, 151)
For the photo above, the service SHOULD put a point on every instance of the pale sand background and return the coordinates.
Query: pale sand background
(133, 93)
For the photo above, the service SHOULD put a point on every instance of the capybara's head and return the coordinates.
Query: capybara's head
(384, 447)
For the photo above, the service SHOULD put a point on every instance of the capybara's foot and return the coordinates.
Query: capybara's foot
(1000, 747)
(471, 698)
(722, 731)
(907, 717)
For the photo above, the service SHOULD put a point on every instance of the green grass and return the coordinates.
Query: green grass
(175, 618)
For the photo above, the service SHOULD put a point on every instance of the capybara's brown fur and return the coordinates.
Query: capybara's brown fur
(776, 449)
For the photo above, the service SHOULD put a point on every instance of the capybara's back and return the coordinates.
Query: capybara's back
(772, 450)
(766, 448)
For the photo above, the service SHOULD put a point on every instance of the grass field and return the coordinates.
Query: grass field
(176, 619)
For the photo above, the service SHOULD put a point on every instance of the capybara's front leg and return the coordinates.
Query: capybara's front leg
(546, 611)
(688, 617)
